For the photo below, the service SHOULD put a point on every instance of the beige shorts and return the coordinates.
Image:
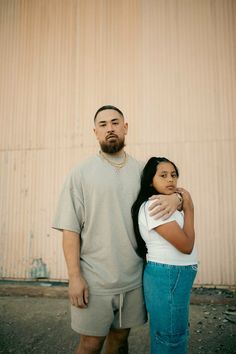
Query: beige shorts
(104, 312)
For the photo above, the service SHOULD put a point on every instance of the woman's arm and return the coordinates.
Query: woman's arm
(182, 239)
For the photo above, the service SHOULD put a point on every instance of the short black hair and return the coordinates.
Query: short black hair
(103, 108)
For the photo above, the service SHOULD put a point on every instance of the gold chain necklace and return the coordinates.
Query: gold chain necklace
(114, 164)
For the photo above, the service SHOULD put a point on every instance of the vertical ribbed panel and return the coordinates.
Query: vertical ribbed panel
(168, 64)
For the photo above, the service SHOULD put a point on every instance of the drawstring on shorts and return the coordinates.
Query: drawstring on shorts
(120, 308)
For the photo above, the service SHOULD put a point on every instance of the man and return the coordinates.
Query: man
(94, 213)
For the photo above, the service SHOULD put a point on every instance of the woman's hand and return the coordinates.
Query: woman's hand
(187, 200)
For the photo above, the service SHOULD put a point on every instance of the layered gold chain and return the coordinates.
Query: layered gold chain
(114, 164)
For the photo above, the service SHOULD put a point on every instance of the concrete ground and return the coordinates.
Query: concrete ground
(36, 320)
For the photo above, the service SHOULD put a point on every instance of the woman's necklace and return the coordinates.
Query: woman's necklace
(114, 164)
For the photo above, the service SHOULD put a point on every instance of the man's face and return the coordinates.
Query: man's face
(110, 130)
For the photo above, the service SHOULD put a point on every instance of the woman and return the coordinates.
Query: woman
(168, 246)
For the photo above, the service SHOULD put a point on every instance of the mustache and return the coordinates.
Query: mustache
(111, 136)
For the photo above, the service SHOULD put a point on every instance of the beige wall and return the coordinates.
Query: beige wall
(168, 64)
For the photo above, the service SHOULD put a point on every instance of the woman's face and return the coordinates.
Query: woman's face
(165, 179)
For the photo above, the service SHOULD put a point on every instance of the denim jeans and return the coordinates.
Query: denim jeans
(167, 291)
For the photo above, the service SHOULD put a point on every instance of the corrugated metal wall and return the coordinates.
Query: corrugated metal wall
(168, 64)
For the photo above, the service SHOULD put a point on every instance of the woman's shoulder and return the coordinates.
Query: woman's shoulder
(144, 207)
(144, 212)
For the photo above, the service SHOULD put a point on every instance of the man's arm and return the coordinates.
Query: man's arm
(163, 206)
(78, 287)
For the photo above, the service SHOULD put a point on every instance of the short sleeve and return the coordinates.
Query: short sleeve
(153, 223)
(70, 208)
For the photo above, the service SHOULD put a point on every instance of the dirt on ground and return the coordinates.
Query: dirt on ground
(41, 324)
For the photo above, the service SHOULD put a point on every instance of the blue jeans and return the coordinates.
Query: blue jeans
(167, 291)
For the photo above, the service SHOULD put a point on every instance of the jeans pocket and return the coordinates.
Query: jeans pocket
(174, 341)
(194, 267)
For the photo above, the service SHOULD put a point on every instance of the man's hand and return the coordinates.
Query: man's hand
(78, 292)
(163, 206)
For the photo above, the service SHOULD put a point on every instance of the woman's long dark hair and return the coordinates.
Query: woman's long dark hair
(146, 191)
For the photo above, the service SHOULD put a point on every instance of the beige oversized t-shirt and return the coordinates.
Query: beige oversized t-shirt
(96, 202)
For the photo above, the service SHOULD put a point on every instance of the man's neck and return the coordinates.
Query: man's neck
(117, 154)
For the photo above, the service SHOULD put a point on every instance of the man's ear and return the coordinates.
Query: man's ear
(95, 132)
(126, 127)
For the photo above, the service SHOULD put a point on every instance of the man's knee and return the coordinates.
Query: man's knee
(90, 345)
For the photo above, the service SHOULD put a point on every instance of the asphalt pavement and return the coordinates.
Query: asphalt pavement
(36, 320)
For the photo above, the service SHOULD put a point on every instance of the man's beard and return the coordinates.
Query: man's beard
(112, 147)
